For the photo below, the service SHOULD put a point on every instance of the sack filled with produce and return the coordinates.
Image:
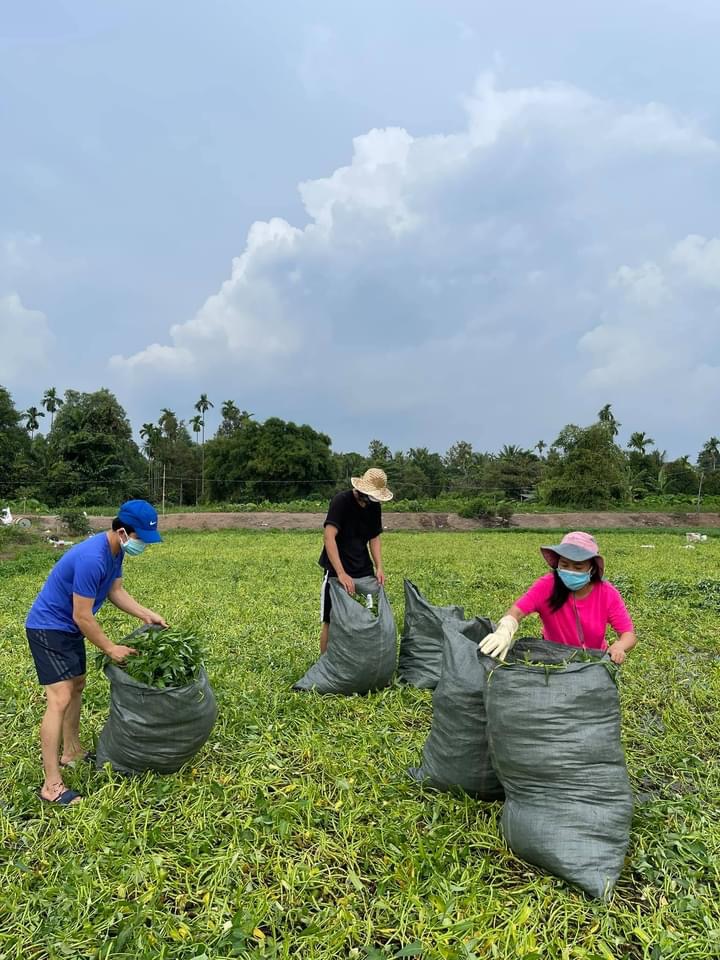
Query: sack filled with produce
(162, 707)
(422, 642)
(554, 723)
(456, 754)
(362, 644)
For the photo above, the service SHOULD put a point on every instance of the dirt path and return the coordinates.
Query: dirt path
(425, 521)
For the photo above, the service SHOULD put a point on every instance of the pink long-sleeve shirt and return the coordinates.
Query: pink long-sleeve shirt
(603, 606)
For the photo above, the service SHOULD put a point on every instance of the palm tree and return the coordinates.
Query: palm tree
(607, 417)
(31, 420)
(202, 407)
(512, 452)
(52, 402)
(540, 446)
(197, 423)
(230, 410)
(711, 452)
(639, 441)
(168, 423)
(150, 434)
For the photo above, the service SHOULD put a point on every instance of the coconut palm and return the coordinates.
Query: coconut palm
(32, 422)
(540, 446)
(52, 403)
(639, 441)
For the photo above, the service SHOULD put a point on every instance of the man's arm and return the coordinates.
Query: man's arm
(376, 554)
(90, 628)
(331, 548)
(119, 596)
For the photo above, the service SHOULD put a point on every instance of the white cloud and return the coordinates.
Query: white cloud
(624, 354)
(700, 258)
(439, 275)
(645, 284)
(158, 358)
(654, 126)
(25, 340)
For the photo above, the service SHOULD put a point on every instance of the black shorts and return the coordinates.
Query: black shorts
(325, 602)
(57, 655)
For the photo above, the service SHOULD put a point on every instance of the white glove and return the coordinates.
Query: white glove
(497, 644)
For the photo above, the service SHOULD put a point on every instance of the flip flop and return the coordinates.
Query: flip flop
(87, 757)
(65, 799)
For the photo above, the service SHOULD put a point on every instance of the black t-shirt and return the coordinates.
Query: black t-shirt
(356, 526)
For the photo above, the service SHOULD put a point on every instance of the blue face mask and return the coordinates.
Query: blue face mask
(133, 548)
(574, 581)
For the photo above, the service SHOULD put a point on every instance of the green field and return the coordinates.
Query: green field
(296, 832)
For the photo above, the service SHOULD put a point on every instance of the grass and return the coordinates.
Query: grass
(296, 834)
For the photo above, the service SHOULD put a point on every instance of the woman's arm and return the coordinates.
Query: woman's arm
(622, 646)
(619, 620)
(498, 644)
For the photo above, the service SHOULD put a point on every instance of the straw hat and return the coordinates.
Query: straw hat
(374, 483)
(576, 546)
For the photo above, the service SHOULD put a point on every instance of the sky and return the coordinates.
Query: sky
(421, 222)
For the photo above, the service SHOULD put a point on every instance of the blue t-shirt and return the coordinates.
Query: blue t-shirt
(88, 569)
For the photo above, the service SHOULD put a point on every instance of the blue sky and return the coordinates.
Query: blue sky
(419, 221)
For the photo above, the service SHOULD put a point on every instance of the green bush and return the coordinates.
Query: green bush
(477, 509)
(504, 510)
(77, 523)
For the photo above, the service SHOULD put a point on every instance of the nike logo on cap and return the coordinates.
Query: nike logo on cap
(153, 523)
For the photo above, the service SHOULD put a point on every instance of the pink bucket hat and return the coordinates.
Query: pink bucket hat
(575, 546)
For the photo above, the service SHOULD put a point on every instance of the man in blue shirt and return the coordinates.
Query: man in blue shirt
(63, 614)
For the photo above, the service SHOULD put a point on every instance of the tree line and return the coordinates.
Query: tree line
(89, 457)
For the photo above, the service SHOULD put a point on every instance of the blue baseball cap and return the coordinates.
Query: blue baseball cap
(143, 518)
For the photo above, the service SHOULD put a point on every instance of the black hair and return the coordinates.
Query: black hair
(119, 524)
(561, 592)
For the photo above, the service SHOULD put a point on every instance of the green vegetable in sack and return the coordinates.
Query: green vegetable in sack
(166, 657)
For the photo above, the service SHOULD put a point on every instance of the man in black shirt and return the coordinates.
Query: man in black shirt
(353, 524)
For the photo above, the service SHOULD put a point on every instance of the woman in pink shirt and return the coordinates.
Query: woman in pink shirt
(575, 604)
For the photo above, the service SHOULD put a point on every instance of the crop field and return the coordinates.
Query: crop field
(296, 832)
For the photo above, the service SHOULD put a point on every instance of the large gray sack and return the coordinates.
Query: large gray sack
(555, 742)
(421, 645)
(456, 753)
(151, 728)
(362, 644)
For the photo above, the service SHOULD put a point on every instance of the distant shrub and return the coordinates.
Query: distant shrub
(478, 509)
(505, 510)
(76, 522)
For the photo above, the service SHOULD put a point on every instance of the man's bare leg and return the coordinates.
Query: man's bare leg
(58, 697)
(72, 748)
